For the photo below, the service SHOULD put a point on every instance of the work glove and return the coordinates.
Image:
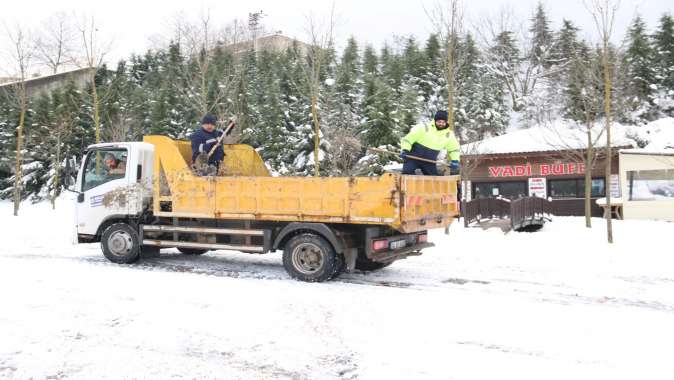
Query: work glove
(454, 167)
(404, 154)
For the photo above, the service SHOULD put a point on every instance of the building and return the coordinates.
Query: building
(46, 84)
(540, 161)
(275, 43)
(647, 184)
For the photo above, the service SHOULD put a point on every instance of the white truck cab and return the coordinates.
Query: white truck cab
(114, 181)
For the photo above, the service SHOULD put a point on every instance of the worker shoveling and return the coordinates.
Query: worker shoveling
(206, 162)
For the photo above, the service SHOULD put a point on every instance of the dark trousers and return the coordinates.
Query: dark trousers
(410, 166)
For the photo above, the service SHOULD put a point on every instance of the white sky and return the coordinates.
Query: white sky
(131, 24)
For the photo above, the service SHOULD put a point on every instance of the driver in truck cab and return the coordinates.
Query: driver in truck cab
(113, 165)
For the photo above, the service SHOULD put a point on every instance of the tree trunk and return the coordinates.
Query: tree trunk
(607, 111)
(588, 181)
(57, 170)
(317, 129)
(97, 116)
(450, 83)
(19, 155)
(204, 89)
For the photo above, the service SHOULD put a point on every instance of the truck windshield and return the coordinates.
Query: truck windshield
(104, 166)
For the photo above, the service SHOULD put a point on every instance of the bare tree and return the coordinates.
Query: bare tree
(521, 75)
(20, 60)
(63, 122)
(447, 19)
(587, 132)
(209, 86)
(95, 51)
(55, 43)
(320, 33)
(577, 144)
(603, 13)
(471, 156)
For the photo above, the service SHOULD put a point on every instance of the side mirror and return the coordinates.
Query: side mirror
(67, 181)
(67, 178)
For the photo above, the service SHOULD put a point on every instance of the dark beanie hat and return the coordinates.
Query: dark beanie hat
(209, 119)
(441, 115)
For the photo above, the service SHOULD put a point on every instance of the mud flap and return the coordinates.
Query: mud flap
(350, 255)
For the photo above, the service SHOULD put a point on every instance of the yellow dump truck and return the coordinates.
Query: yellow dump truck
(138, 197)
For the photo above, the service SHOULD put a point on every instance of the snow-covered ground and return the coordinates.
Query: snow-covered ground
(555, 304)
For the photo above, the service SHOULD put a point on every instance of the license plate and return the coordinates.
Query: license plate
(446, 199)
(397, 244)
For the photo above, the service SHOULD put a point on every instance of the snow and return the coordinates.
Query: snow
(557, 304)
(659, 133)
(558, 135)
(656, 151)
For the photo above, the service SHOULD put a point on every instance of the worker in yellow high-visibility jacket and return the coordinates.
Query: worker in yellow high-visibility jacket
(426, 141)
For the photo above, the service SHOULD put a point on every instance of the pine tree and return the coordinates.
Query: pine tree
(663, 41)
(270, 129)
(582, 86)
(348, 73)
(431, 81)
(541, 38)
(370, 61)
(296, 104)
(7, 138)
(392, 67)
(664, 45)
(33, 158)
(341, 109)
(379, 127)
(408, 105)
(641, 76)
(566, 43)
(172, 115)
(480, 109)
(415, 64)
(504, 62)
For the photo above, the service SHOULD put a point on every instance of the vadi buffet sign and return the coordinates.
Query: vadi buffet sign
(528, 170)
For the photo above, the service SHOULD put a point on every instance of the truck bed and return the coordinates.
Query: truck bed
(403, 202)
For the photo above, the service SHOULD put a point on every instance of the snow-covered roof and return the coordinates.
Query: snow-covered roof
(652, 151)
(560, 135)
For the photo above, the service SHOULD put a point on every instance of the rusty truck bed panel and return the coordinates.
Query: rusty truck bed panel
(405, 203)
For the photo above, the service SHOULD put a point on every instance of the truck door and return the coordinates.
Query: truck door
(103, 183)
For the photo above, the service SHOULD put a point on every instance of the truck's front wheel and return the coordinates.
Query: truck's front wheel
(120, 243)
(309, 257)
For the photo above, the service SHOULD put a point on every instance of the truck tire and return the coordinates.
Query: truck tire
(368, 265)
(340, 266)
(120, 244)
(192, 251)
(309, 257)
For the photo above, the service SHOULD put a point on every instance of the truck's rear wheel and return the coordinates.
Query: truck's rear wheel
(309, 257)
(368, 265)
(120, 243)
(192, 251)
